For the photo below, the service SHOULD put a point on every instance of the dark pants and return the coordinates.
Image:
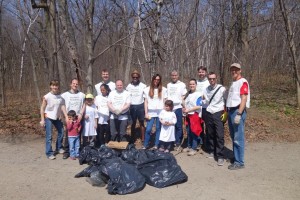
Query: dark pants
(118, 130)
(215, 134)
(103, 134)
(137, 112)
(165, 145)
(202, 140)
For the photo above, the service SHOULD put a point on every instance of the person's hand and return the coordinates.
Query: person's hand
(79, 117)
(237, 119)
(86, 116)
(42, 123)
(117, 112)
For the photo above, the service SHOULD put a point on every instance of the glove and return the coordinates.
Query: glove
(224, 117)
(237, 119)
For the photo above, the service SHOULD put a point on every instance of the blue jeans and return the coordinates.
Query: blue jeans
(74, 146)
(237, 134)
(192, 139)
(60, 134)
(178, 126)
(149, 129)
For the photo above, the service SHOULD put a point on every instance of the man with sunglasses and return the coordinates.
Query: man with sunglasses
(137, 111)
(214, 99)
(237, 101)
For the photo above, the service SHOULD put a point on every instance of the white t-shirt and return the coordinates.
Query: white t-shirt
(73, 101)
(191, 101)
(234, 94)
(167, 133)
(103, 111)
(118, 100)
(53, 107)
(136, 93)
(218, 102)
(175, 92)
(89, 124)
(201, 86)
(111, 85)
(155, 104)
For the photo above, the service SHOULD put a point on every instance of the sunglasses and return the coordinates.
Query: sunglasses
(135, 77)
(211, 79)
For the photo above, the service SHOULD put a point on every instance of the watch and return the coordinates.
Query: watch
(239, 113)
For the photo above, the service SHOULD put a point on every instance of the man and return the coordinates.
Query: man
(74, 101)
(237, 102)
(118, 104)
(214, 99)
(202, 84)
(105, 80)
(137, 111)
(176, 91)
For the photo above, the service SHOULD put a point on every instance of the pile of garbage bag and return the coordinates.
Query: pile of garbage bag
(128, 171)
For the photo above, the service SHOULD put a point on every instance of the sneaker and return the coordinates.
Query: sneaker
(210, 155)
(61, 151)
(161, 149)
(186, 150)
(192, 152)
(52, 157)
(154, 148)
(167, 151)
(235, 166)
(220, 162)
(65, 156)
(72, 158)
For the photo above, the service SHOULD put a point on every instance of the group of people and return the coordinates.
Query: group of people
(201, 109)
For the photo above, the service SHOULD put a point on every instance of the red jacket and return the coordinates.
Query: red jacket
(73, 128)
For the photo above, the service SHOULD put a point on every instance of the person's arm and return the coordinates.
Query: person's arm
(42, 111)
(81, 112)
(243, 103)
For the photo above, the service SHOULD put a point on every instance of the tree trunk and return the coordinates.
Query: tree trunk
(2, 63)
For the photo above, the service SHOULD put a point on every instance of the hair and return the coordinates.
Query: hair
(169, 103)
(104, 70)
(151, 91)
(202, 68)
(211, 73)
(106, 87)
(174, 70)
(72, 113)
(189, 92)
(54, 82)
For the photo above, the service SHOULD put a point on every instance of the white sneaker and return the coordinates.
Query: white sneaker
(220, 162)
(52, 157)
(61, 151)
(192, 152)
(186, 150)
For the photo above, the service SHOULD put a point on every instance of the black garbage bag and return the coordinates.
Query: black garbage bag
(161, 170)
(87, 171)
(96, 179)
(91, 155)
(123, 177)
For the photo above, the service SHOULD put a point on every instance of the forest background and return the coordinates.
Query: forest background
(41, 40)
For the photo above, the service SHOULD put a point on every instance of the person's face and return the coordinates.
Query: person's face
(235, 73)
(119, 86)
(201, 74)
(71, 118)
(212, 79)
(74, 85)
(103, 91)
(167, 108)
(174, 77)
(105, 76)
(192, 85)
(135, 78)
(156, 81)
(89, 101)
(54, 89)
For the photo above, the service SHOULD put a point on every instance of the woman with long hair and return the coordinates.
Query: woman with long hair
(155, 96)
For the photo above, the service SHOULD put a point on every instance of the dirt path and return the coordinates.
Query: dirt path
(272, 172)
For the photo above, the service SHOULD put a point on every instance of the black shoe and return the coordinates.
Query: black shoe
(66, 156)
(235, 166)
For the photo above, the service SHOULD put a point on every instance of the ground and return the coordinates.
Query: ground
(272, 162)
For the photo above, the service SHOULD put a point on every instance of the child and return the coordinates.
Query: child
(90, 121)
(73, 127)
(103, 129)
(168, 120)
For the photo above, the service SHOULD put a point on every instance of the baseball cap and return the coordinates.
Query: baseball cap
(237, 65)
(89, 96)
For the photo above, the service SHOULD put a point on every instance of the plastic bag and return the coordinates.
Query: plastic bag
(96, 179)
(87, 171)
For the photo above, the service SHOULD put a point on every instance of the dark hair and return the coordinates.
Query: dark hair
(202, 68)
(169, 103)
(106, 87)
(72, 113)
(104, 70)
(211, 73)
(151, 91)
(54, 82)
(189, 92)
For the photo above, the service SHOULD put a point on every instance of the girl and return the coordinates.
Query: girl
(52, 107)
(192, 110)
(168, 120)
(90, 121)
(155, 95)
(103, 131)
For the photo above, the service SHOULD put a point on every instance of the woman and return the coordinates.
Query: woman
(52, 108)
(155, 95)
(192, 110)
